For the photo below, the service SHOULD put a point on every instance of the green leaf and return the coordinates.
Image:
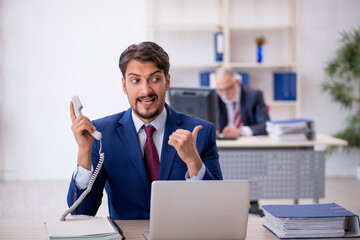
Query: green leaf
(342, 83)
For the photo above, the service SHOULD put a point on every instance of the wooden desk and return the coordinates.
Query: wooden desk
(278, 169)
(266, 142)
(35, 230)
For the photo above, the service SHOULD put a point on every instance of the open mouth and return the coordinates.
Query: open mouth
(147, 101)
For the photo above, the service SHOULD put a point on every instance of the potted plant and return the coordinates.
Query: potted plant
(343, 84)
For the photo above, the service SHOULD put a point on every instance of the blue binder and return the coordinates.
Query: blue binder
(294, 120)
(219, 46)
(307, 216)
(205, 78)
(244, 78)
(285, 86)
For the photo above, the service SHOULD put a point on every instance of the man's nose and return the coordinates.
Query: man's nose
(145, 88)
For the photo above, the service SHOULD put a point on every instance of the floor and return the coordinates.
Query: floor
(46, 200)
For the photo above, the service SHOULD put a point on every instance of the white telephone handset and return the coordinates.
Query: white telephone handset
(77, 107)
(97, 135)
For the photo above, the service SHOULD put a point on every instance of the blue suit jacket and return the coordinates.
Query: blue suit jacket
(253, 111)
(123, 173)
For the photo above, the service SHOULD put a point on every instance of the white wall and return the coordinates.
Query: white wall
(53, 49)
(321, 23)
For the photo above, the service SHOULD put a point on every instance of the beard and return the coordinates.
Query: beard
(228, 101)
(148, 114)
(234, 98)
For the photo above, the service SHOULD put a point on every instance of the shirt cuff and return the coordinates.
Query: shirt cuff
(82, 177)
(198, 177)
(246, 131)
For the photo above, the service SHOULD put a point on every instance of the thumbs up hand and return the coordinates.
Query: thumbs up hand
(184, 142)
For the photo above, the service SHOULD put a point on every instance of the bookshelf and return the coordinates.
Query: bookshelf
(186, 28)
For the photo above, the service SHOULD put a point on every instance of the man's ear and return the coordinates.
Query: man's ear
(167, 82)
(123, 85)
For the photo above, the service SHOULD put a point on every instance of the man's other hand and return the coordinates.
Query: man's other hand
(230, 131)
(184, 142)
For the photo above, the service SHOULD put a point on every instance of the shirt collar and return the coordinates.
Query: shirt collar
(237, 98)
(158, 123)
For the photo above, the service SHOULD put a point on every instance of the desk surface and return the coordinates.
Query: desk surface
(266, 142)
(32, 229)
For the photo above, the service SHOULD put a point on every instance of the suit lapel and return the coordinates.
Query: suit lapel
(168, 152)
(243, 105)
(223, 118)
(130, 140)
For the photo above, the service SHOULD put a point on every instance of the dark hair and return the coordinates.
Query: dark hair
(145, 52)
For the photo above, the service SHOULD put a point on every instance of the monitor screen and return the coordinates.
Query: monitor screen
(199, 102)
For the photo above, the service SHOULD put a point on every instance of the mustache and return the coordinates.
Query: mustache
(228, 101)
(146, 96)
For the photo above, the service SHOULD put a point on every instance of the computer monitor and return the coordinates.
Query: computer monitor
(199, 102)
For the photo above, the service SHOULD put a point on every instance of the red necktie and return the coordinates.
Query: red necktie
(151, 156)
(237, 117)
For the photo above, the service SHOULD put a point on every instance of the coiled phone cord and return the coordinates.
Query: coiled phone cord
(89, 187)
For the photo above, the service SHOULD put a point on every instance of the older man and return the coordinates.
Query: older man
(242, 111)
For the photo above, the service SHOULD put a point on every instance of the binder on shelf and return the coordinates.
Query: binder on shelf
(311, 221)
(285, 86)
(207, 79)
(244, 78)
(219, 46)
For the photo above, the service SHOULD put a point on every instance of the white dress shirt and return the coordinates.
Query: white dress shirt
(82, 176)
(244, 130)
(158, 135)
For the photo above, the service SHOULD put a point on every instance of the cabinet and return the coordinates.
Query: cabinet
(186, 29)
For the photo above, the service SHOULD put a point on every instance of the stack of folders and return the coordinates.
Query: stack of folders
(299, 129)
(97, 228)
(311, 221)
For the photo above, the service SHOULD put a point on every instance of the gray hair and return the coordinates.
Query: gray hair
(221, 71)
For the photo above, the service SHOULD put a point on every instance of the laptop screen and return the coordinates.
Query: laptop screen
(199, 209)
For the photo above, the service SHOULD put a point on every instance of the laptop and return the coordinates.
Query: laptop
(199, 210)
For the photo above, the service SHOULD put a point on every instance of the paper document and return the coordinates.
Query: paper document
(100, 228)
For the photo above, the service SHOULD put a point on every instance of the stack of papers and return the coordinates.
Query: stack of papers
(311, 221)
(305, 228)
(99, 228)
(300, 129)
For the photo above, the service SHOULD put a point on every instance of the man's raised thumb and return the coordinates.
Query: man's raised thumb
(196, 131)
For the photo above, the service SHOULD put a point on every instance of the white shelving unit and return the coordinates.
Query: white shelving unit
(186, 28)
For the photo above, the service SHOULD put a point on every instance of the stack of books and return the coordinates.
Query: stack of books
(311, 221)
(300, 129)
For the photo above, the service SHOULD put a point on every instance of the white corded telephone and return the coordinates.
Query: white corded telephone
(97, 135)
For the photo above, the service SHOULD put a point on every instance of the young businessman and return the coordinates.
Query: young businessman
(185, 146)
(242, 111)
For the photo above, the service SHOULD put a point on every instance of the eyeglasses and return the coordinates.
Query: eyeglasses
(227, 89)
